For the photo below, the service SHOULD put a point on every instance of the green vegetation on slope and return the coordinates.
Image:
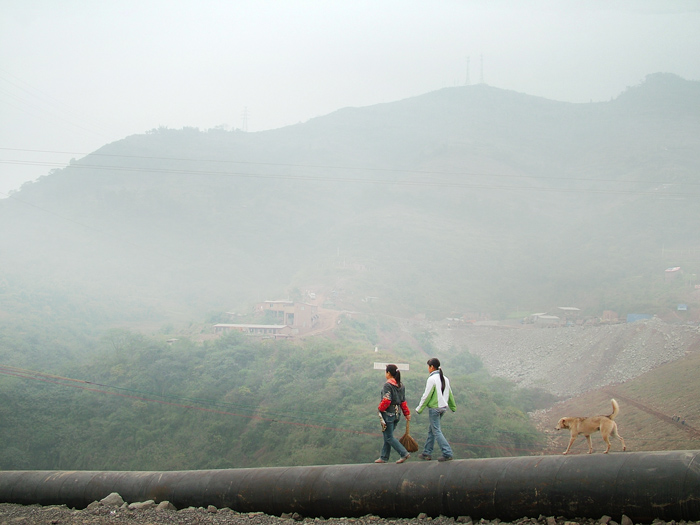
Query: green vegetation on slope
(235, 402)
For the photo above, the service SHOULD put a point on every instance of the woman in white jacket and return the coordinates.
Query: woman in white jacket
(438, 398)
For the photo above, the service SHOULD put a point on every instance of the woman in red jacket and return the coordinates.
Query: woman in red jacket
(392, 404)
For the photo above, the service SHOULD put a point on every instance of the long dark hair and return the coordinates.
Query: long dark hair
(394, 372)
(435, 363)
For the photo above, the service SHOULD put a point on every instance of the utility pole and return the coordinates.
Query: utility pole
(482, 68)
(468, 82)
(245, 119)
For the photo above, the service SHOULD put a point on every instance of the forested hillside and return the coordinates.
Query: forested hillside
(140, 404)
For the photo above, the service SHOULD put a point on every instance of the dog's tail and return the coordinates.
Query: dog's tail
(616, 409)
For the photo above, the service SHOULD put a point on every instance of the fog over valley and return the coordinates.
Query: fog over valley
(467, 201)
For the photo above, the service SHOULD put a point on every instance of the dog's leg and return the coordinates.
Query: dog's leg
(618, 436)
(571, 442)
(607, 441)
(590, 444)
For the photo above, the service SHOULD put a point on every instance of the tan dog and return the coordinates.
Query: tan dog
(588, 425)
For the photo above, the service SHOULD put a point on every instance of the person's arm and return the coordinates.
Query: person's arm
(386, 398)
(451, 401)
(429, 388)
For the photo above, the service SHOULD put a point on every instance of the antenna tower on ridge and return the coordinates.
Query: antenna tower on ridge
(468, 82)
(245, 119)
(482, 69)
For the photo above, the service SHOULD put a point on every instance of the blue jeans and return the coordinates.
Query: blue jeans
(435, 434)
(390, 441)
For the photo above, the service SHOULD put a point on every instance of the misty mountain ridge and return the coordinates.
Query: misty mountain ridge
(466, 199)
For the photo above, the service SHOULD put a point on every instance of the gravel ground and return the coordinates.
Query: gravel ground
(590, 357)
(53, 515)
(35, 514)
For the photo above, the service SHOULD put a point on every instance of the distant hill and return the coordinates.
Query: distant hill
(466, 199)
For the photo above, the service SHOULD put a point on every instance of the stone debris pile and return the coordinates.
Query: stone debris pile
(590, 357)
(114, 510)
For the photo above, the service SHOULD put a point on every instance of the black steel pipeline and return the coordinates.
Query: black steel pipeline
(641, 485)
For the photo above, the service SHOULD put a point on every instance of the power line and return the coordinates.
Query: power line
(52, 108)
(436, 183)
(311, 178)
(433, 183)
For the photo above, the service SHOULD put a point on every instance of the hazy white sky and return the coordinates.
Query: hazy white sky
(76, 75)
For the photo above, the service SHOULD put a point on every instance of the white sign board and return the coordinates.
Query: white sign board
(403, 367)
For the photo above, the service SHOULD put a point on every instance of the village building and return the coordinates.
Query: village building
(290, 318)
(265, 330)
(301, 317)
(547, 320)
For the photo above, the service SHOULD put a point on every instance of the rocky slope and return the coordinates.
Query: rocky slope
(573, 360)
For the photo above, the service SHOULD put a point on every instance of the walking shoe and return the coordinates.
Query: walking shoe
(425, 457)
(401, 460)
(445, 458)
(380, 460)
